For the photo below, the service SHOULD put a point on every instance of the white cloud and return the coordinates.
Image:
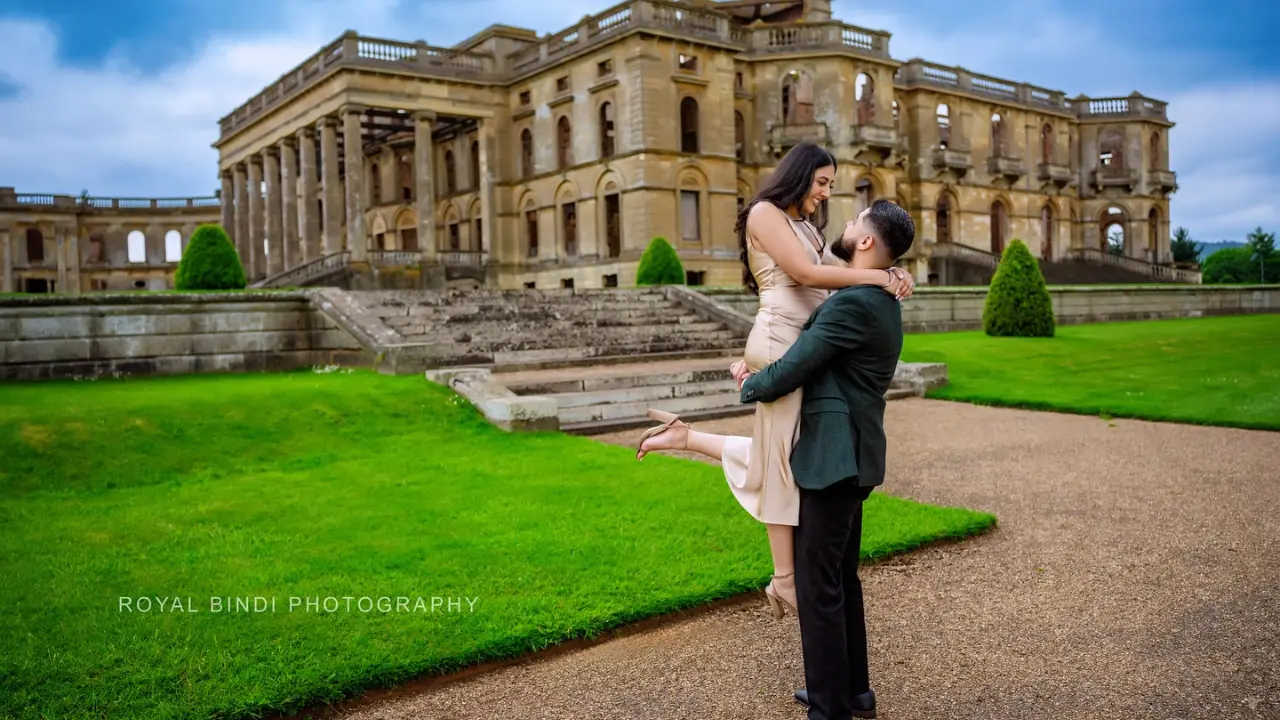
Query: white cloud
(117, 130)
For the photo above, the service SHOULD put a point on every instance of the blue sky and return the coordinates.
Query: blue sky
(123, 98)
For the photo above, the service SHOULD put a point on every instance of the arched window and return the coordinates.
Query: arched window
(797, 99)
(997, 135)
(944, 219)
(1046, 232)
(1046, 144)
(137, 247)
(172, 246)
(405, 171)
(530, 230)
(1111, 150)
(864, 194)
(1157, 163)
(999, 226)
(607, 145)
(864, 94)
(739, 137)
(944, 125)
(1153, 236)
(475, 164)
(450, 173)
(564, 143)
(526, 153)
(375, 185)
(35, 246)
(689, 125)
(1114, 234)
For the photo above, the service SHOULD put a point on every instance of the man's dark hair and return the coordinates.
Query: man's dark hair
(893, 226)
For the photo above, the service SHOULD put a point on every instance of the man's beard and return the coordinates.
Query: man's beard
(840, 249)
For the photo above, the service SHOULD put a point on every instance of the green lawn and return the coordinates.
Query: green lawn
(306, 485)
(1211, 371)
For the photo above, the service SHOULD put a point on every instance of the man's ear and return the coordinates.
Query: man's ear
(866, 242)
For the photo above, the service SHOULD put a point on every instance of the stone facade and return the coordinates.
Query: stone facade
(552, 161)
(63, 243)
(945, 309)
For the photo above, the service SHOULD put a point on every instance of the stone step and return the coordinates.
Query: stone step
(552, 386)
(478, 299)
(580, 366)
(645, 393)
(552, 357)
(636, 409)
(470, 313)
(554, 335)
(590, 341)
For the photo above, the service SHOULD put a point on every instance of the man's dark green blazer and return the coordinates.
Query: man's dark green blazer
(844, 360)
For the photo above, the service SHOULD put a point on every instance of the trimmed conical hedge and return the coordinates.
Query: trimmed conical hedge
(660, 265)
(210, 262)
(1018, 302)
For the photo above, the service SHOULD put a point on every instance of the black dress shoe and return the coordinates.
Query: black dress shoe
(864, 705)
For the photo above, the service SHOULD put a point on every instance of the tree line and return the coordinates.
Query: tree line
(1256, 262)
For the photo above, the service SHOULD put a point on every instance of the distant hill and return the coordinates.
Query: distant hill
(1211, 248)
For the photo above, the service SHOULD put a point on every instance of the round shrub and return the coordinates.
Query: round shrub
(1018, 303)
(660, 265)
(210, 262)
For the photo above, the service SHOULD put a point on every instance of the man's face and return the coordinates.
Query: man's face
(857, 236)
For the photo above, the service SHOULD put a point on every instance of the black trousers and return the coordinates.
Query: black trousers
(833, 629)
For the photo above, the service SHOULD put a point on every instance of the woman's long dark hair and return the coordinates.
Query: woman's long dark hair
(786, 188)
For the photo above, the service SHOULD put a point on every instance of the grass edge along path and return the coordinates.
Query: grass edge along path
(1218, 371)
(306, 484)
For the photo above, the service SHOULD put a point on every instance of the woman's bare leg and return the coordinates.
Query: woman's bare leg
(781, 537)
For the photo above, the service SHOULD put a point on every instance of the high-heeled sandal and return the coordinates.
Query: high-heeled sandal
(776, 601)
(668, 420)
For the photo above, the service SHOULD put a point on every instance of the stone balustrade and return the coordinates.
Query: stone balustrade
(9, 199)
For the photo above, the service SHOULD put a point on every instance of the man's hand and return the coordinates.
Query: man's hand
(902, 285)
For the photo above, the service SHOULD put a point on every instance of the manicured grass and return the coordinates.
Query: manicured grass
(1211, 371)
(308, 485)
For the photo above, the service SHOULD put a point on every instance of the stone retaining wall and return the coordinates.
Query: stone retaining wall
(940, 309)
(165, 334)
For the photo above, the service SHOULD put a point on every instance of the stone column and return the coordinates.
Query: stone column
(424, 173)
(256, 269)
(60, 252)
(308, 217)
(488, 209)
(332, 184)
(353, 144)
(227, 202)
(6, 261)
(289, 188)
(275, 212)
(241, 230)
(73, 259)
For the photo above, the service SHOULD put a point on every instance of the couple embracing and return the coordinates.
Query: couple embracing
(818, 364)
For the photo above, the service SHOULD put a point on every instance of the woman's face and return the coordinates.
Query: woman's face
(820, 190)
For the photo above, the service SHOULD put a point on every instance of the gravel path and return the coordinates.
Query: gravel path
(1135, 574)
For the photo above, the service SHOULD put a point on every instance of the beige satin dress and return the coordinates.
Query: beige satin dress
(758, 468)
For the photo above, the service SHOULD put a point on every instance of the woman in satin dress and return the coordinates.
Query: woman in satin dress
(787, 264)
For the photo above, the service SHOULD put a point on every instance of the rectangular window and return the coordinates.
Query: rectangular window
(454, 240)
(604, 68)
(525, 97)
(570, 214)
(531, 229)
(690, 227)
(562, 84)
(689, 63)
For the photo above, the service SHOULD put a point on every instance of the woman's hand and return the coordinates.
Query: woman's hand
(740, 372)
(902, 285)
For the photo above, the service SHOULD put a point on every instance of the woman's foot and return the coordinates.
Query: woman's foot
(781, 592)
(672, 434)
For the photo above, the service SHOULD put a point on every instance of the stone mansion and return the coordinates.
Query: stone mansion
(513, 160)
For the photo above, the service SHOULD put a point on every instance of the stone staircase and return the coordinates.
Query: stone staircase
(604, 356)
(507, 330)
